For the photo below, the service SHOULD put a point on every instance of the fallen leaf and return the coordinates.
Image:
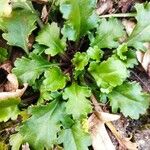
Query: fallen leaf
(129, 26)
(17, 93)
(125, 143)
(100, 137)
(12, 83)
(144, 59)
(104, 6)
(99, 133)
(7, 66)
(44, 15)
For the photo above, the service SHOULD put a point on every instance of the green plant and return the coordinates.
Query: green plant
(67, 64)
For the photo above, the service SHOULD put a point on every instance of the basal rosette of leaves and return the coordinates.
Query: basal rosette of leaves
(68, 64)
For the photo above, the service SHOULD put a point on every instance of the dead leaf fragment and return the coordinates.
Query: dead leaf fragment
(125, 143)
(104, 6)
(12, 83)
(129, 26)
(144, 59)
(44, 15)
(98, 128)
(7, 66)
(100, 137)
(17, 93)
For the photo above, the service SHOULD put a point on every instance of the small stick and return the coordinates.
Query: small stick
(119, 15)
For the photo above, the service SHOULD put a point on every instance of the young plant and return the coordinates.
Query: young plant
(73, 58)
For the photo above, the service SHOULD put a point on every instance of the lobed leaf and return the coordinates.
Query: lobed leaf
(126, 55)
(141, 32)
(54, 79)
(50, 37)
(29, 69)
(80, 60)
(18, 28)
(129, 99)
(9, 108)
(108, 74)
(40, 131)
(75, 138)
(108, 34)
(78, 105)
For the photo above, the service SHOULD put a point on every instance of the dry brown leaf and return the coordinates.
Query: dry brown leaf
(105, 118)
(100, 137)
(144, 59)
(44, 15)
(125, 143)
(104, 6)
(17, 93)
(7, 66)
(12, 83)
(129, 26)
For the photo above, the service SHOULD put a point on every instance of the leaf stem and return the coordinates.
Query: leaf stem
(119, 15)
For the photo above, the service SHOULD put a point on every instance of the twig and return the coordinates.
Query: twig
(119, 15)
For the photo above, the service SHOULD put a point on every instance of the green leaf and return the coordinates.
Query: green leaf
(95, 53)
(3, 54)
(78, 105)
(127, 56)
(41, 130)
(15, 141)
(25, 4)
(6, 8)
(29, 69)
(75, 138)
(108, 34)
(18, 28)
(38, 49)
(54, 79)
(50, 37)
(121, 51)
(141, 32)
(108, 74)
(79, 20)
(9, 109)
(80, 60)
(129, 99)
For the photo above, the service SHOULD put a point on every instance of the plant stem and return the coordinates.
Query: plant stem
(120, 15)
